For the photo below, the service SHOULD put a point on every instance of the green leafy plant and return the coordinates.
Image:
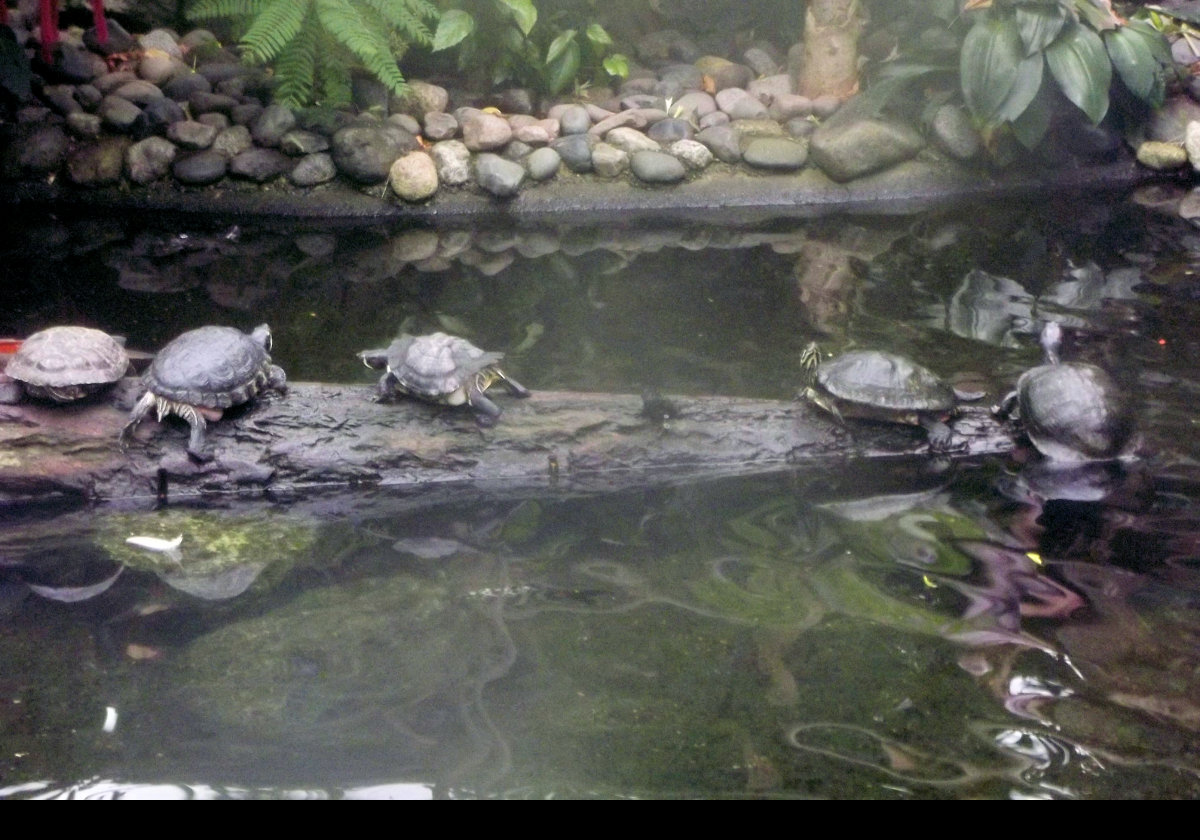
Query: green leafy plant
(314, 45)
(1012, 58)
(509, 42)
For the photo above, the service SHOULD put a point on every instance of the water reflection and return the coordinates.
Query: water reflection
(997, 629)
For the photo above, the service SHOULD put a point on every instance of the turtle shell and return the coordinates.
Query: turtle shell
(1074, 412)
(437, 366)
(65, 363)
(213, 367)
(884, 381)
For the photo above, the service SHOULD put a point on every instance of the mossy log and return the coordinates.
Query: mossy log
(322, 437)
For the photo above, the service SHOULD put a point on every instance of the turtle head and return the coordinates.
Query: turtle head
(374, 359)
(1052, 336)
(262, 336)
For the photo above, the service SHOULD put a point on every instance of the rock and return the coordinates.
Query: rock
(200, 168)
(161, 113)
(369, 94)
(298, 142)
(440, 126)
(1189, 207)
(516, 150)
(421, 98)
(414, 176)
(61, 98)
(218, 121)
(1191, 144)
(260, 165)
(665, 132)
(160, 40)
(657, 167)
(42, 151)
(72, 65)
(83, 125)
(484, 132)
(769, 88)
(731, 75)
(158, 67)
(453, 161)
(149, 160)
(1169, 123)
(714, 119)
(695, 104)
(119, 40)
(98, 164)
(245, 113)
(953, 132)
(537, 134)
(119, 114)
(365, 153)
(761, 61)
(644, 100)
(1161, 156)
(542, 164)
(191, 135)
(666, 45)
(789, 106)
(515, 101)
(826, 106)
(608, 161)
(575, 151)
(757, 128)
(630, 140)
(268, 128)
(747, 108)
(502, 178)
(312, 170)
(638, 118)
(800, 127)
(849, 149)
(775, 153)
(686, 77)
(692, 153)
(406, 122)
(201, 102)
(232, 141)
(723, 141)
(574, 119)
(181, 87)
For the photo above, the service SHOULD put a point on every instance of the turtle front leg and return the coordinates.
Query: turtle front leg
(195, 449)
(486, 411)
(143, 407)
(513, 386)
(941, 437)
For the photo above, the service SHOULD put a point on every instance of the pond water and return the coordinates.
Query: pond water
(988, 628)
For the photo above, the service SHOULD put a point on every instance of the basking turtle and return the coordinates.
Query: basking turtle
(65, 364)
(441, 369)
(201, 373)
(1070, 411)
(876, 385)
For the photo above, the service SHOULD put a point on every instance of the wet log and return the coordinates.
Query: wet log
(323, 437)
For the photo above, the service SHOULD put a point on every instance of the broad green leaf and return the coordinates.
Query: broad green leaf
(988, 65)
(453, 28)
(1024, 89)
(616, 65)
(1038, 25)
(1132, 58)
(1155, 40)
(1097, 14)
(559, 44)
(1030, 127)
(525, 13)
(598, 35)
(562, 72)
(1082, 67)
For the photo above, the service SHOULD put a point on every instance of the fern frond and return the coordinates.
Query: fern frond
(296, 69)
(407, 17)
(347, 25)
(209, 9)
(275, 26)
(334, 73)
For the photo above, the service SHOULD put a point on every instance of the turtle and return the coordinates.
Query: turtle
(1072, 412)
(442, 369)
(65, 364)
(201, 373)
(883, 386)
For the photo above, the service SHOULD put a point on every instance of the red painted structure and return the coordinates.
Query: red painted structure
(48, 21)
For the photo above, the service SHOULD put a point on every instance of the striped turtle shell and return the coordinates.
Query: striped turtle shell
(67, 363)
(212, 367)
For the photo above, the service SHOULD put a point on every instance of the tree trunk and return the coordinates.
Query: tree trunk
(336, 437)
(831, 30)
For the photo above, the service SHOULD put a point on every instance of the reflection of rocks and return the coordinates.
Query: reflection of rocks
(990, 308)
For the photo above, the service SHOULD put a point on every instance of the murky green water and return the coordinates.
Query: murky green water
(908, 630)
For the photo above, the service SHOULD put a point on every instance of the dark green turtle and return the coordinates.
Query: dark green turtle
(1071, 411)
(442, 369)
(881, 386)
(203, 372)
(65, 364)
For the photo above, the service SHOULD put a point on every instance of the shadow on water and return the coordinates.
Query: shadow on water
(994, 628)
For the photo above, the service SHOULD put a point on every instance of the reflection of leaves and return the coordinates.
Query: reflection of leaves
(770, 593)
